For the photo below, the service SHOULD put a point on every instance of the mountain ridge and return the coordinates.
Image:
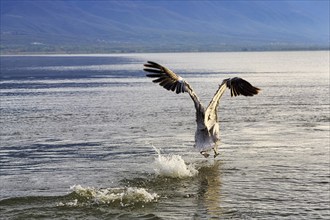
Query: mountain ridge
(149, 26)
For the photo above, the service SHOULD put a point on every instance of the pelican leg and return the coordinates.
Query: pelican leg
(215, 153)
(215, 149)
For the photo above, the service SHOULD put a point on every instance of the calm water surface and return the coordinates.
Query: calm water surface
(90, 137)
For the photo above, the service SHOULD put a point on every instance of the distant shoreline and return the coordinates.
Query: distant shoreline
(84, 53)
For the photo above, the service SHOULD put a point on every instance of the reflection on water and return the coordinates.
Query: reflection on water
(209, 190)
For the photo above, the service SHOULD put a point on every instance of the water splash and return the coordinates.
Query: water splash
(126, 196)
(173, 166)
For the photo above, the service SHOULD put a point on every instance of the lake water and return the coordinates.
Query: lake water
(90, 137)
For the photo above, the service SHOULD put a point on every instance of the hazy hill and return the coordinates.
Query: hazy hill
(129, 26)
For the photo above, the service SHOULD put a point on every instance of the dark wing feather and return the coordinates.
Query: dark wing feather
(239, 86)
(165, 77)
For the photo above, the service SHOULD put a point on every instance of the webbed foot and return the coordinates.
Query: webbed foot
(205, 154)
(215, 152)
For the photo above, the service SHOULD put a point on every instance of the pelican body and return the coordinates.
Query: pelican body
(207, 135)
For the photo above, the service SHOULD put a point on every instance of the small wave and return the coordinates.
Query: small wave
(124, 197)
(173, 166)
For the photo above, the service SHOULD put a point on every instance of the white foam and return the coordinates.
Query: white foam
(173, 166)
(69, 204)
(126, 196)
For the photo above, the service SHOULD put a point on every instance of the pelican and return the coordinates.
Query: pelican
(207, 135)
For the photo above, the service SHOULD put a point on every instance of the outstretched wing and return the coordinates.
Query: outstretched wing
(165, 77)
(237, 86)
(170, 81)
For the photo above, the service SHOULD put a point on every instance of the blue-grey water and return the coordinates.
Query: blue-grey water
(90, 137)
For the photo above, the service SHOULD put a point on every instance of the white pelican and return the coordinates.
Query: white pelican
(207, 135)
